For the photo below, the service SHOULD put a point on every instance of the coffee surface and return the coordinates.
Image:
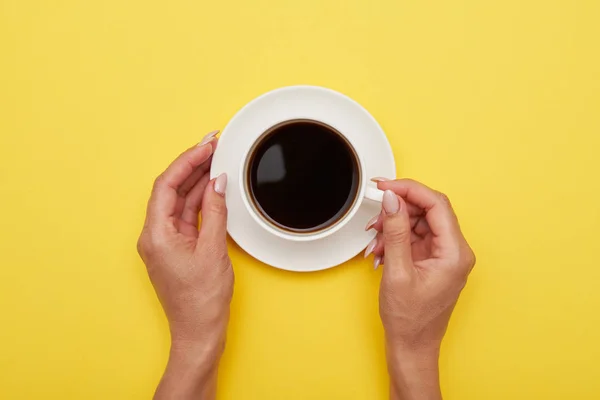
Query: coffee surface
(303, 176)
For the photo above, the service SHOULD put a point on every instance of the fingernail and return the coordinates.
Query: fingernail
(371, 247)
(376, 262)
(221, 184)
(379, 179)
(371, 222)
(391, 205)
(208, 137)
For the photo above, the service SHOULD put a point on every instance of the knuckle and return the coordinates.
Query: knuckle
(210, 249)
(218, 208)
(470, 258)
(396, 235)
(144, 245)
(224, 258)
(465, 261)
(158, 182)
(444, 198)
(149, 243)
(214, 250)
(397, 278)
(141, 246)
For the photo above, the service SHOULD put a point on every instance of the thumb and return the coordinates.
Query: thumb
(214, 212)
(396, 233)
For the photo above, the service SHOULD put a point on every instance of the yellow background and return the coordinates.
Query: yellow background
(495, 103)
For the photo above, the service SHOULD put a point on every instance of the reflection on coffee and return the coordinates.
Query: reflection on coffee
(303, 176)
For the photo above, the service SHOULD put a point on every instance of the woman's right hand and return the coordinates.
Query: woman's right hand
(426, 264)
(189, 266)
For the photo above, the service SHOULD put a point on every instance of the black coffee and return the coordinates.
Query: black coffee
(303, 176)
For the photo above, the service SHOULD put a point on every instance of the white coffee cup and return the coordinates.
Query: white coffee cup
(367, 191)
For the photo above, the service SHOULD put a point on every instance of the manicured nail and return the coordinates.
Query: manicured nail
(371, 247)
(208, 137)
(379, 179)
(221, 184)
(371, 222)
(391, 205)
(376, 262)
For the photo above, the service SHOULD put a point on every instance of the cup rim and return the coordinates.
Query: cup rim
(300, 236)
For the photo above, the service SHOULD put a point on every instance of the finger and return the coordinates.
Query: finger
(413, 209)
(396, 234)
(193, 202)
(198, 173)
(214, 212)
(414, 212)
(439, 214)
(378, 250)
(377, 223)
(375, 246)
(183, 167)
(162, 203)
(421, 227)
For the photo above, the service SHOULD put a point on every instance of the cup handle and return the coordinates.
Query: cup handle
(373, 194)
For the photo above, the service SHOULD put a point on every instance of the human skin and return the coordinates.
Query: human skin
(425, 256)
(426, 264)
(190, 269)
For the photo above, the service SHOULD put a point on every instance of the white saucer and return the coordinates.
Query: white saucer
(301, 102)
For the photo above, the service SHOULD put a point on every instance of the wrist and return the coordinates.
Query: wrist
(191, 371)
(199, 335)
(402, 358)
(196, 353)
(199, 349)
(414, 372)
(413, 348)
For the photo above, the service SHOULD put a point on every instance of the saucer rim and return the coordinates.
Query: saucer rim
(317, 266)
